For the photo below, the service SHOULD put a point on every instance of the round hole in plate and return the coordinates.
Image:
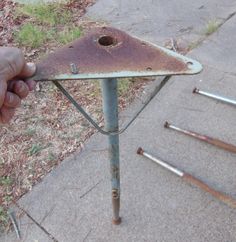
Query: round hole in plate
(149, 68)
(106, 40)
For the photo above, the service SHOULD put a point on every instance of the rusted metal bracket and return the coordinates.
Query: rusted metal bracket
(91, 120)
(110, 54)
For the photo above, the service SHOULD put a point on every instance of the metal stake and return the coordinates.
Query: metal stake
(214, 96)
(191, 179)
(110, 110)
(216, 142)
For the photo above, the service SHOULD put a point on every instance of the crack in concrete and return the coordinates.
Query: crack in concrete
(202, 39)
(47, 214)
(87, 235)
(83, 195)
(36, 223)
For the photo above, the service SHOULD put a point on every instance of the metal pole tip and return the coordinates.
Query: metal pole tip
(195, 90)
(167, 125)
(116, 221)
(140, 151)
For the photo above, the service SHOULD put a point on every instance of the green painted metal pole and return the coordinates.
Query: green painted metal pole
(110, 110)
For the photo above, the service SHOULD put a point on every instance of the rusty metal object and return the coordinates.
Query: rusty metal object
(216, 142)
(230, 201)
(219, 195)
(116, 206)
(110, 53)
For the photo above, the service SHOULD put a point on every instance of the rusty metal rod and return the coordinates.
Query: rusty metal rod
(207, 139)
(230, 201)
(214, 96)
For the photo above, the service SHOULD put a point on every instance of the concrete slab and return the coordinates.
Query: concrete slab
(160, 20)
(219, 50)
(28, 229)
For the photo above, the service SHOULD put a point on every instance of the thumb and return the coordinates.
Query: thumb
(28, 70)
(3, 89)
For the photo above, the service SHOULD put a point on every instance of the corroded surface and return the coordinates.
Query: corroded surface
(108, 50)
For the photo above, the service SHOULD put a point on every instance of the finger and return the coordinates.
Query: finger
(6, 114)
(11, 100)
(21, 89)
(3, 89)
(31, 84)
(28, 70)
(11, 63)
(10, 85)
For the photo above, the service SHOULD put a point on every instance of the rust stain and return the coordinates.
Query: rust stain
(219, 195)
(116, 206)
(108, 50)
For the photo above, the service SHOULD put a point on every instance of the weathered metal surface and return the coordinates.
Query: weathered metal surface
(107, 53)
(110, 110)
(207, 139)
(92, 121)
(230, 201)
(215, 96)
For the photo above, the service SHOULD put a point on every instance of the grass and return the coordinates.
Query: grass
(5, 184)
(3, 218)
(5, 181)
(35, 36)
(211, 27)
(69, 34)
(30, 132)
(45, 23)
(44, 13)
(31, 36)
(35, 149)
(193, 45)
(124, 85)
(51, 156)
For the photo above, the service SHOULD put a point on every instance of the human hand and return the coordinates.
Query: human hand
(13, 88)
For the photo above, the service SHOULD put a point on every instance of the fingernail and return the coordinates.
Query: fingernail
(21, 87)
(31, 66)
(9, 97)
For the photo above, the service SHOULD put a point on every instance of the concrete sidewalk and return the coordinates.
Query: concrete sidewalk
(73, 201)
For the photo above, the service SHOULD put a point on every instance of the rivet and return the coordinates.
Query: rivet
(74, 68)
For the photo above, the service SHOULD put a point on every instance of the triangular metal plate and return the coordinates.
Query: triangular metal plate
(110, 53)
